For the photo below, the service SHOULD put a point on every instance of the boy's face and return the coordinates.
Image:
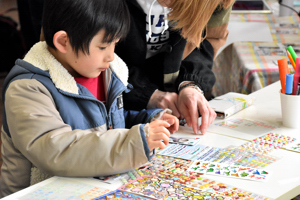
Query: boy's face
(91, 66)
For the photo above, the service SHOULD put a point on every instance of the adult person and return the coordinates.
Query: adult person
(169, 52)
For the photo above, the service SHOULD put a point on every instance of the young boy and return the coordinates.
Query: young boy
(55, 121)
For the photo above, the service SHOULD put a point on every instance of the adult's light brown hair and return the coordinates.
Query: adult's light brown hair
(192, 16)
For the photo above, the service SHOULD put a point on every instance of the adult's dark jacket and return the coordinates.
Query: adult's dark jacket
(167, 69)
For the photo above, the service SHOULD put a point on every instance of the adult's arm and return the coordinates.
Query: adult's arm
(217, 27)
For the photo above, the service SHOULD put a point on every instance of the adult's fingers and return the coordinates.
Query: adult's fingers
(169, 100)
(204, 117)
(193, 112)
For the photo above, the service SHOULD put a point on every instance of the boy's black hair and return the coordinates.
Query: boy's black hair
(83, 19)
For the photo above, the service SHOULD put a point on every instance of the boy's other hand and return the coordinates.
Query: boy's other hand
(158, 134)
(172, 120)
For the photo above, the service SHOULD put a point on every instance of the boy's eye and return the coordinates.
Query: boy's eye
(102, 48)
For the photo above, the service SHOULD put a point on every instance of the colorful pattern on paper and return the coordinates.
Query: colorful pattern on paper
(118, 195)
(65, 190)
(241, 157)
(267, 143)
(175, 169)
(168, 190)
(232, 171)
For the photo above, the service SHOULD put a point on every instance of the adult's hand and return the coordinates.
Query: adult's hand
(190, 100)
(160, 99)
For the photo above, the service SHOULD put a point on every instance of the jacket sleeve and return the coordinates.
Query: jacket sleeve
(39, 133)
(133, 117)
(197, 67)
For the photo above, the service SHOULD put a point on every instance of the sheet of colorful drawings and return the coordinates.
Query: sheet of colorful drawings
(168, 189)
(268, 143)
(231, 171)
(118, 195)
(175, 169)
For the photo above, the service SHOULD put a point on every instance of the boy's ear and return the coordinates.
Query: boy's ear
(60, 41)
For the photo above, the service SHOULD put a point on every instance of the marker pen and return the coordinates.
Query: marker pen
(296, 76)
(289, 84)
(291, 60)
(283, 70)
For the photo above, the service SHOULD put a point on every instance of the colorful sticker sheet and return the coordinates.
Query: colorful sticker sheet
(232, 171)
(241, 157)
(245, 126)
(171, 168)
(65, 190)
(118, 195)
(267, 143)
(156, 188)
(175, 169)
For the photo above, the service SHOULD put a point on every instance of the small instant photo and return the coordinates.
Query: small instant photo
(183, 141)
(251, 6)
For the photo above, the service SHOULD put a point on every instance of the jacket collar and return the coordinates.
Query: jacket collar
(40, 57)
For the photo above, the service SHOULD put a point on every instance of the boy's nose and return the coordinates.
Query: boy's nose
(110, 56)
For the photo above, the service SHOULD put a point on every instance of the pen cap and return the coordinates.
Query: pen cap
(295, 83)
(289, 84)
(292, 52)
(297, 70)
(283, 70)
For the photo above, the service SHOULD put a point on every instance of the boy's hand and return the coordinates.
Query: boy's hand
(158, 134)
(159, 131)
(172, 120)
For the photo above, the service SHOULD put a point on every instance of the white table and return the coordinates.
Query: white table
(284, 184)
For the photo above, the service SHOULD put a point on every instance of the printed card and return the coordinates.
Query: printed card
(188, 152)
